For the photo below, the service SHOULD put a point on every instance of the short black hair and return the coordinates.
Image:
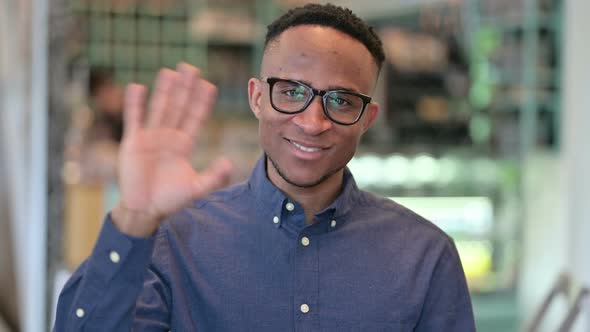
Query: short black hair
(329, 15)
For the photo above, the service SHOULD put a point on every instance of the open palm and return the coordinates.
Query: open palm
(156, 177)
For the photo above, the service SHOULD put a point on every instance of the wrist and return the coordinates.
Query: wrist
(134, 222)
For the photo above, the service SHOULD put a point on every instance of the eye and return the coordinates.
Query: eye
(295, 93)
(338, 101)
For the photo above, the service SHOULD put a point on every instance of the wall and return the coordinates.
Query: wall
(8, 309)
(557, 190)
(576, 136)
(23, 135)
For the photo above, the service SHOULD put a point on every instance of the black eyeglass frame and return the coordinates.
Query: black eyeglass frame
(315, 92)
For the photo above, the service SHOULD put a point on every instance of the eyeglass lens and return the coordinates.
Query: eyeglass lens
(292, 97)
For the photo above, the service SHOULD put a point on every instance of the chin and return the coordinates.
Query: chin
(305, 183)
(302, 178)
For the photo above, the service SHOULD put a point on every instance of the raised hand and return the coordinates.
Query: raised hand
(156, 177)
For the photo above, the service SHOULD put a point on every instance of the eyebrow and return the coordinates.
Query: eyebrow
(331, 87)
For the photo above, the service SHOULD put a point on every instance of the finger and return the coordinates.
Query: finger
(216, 176)
(160, 96)
(204, 100)
(180, 101)
(134, 107)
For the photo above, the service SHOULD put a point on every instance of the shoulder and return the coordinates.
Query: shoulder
(233, 193)
(413, 242)
(393, 217)
(210, 211)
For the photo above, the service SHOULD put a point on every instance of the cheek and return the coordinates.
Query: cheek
(262, 132)
(268, 129)
(348, 145)
(350, 137)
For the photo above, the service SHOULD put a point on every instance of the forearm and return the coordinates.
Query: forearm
(102, 293)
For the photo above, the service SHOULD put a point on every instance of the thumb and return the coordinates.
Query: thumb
(214, 177)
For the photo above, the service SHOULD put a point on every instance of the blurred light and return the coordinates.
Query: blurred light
(425, 169)
(366, 169)
(372, 170)
(482, 71)
(396, 170)
(454, 215)
(480, 128)
(484, 172)
(477, 216)
(476, 258)
(487, 40)
(480, 94)
(448, 170)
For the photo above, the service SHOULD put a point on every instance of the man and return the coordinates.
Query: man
(297, 247)
(100, 142)
(106, 98)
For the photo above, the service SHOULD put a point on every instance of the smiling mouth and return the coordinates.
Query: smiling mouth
(305, 148)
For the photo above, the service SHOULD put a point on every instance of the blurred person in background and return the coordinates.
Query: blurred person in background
(106, 98)
(91, 155)
(101, 140)
(297, 246)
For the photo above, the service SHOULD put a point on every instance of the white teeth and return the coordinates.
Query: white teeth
(305, 148)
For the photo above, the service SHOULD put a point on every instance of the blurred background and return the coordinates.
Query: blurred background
(484, 130)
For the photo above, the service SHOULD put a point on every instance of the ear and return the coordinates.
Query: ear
(254, 96)
(369, 116)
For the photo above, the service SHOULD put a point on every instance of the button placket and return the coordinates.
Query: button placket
(306, 282)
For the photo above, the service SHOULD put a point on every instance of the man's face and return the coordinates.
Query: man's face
(109, 98)
(306, 149)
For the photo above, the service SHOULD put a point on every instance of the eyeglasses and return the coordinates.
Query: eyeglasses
(340, 106)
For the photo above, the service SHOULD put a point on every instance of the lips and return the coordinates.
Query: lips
(306, 147)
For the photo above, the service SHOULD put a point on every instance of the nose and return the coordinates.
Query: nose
(312, 120)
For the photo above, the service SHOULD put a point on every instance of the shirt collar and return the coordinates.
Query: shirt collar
(271, 199)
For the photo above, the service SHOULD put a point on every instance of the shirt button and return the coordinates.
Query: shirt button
(305, 241)
(79, 312)
(304, 308)
(114, 256)
(290, 207)
(275, 219)
(333, 223)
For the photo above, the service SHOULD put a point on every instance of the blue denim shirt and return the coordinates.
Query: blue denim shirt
(244, 259)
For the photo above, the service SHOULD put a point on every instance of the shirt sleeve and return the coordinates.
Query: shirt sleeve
(115, 289)
(447, 306)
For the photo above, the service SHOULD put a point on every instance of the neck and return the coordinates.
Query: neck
(312, 199)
